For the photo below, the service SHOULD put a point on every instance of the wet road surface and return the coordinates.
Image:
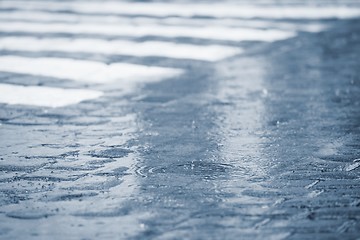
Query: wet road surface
(263, 144)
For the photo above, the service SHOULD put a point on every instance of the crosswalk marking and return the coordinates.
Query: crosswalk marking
(44, 96)
(190, 9)
(144, 49)
(38, 16)
(85, 71)
(92, 23)
(215, 33)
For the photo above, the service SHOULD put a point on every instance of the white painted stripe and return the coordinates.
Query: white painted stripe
(162, 49)
(85, 71)
(226, 22)
(217, 33)
(44, 96)
(190, 9)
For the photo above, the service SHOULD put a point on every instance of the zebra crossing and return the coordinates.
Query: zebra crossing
(84, 71)
(37, 16)
(214, 33)
(45, 96)
(127, 29)
(161, 9)
(120, 47)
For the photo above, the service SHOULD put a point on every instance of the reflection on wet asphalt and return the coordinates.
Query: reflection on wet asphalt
(261, 145)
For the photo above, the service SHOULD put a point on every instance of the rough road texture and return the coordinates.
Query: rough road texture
(264, 145)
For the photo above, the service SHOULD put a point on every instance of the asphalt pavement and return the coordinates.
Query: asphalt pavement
(179, 120)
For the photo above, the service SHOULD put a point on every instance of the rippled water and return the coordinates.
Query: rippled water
(261, 145)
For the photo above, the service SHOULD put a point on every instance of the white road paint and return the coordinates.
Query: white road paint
(197, 22)
(227, 22)
(86, 71)
(44, 96)
(216, 33)
(190, 9)
(144, 49)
